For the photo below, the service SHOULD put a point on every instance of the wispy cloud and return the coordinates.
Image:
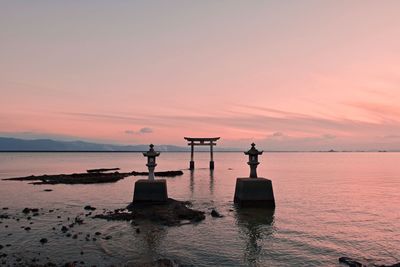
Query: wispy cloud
(144, 130)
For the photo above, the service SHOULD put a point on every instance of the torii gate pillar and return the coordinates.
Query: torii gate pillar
(192, 141)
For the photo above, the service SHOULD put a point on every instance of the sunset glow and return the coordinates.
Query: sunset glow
(311, 75)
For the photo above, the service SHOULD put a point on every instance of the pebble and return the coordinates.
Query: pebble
(88, 207)
(97, 233)
(43, 240)
(27, 228)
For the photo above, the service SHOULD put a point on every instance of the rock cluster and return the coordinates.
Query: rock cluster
(170, 213)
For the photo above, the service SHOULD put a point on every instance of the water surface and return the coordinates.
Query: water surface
(328, 205)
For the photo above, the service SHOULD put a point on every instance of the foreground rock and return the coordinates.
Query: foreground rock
(356, 263)
(75, 178)
(171, 213)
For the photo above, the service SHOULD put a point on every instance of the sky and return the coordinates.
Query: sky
(287, 75)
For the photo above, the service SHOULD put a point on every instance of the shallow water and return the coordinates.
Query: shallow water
(328, 205)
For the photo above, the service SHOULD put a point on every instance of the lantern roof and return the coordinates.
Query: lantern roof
(151, 152)
(253, 151)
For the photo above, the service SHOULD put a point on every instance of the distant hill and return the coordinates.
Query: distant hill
(15, 144)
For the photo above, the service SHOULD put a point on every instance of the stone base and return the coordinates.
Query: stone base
(254, 192)
(150, 191)
(211, 165)
(191, 166)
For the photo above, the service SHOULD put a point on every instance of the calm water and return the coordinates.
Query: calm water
(328, 205)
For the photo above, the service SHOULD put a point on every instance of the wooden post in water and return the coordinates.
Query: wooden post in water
(191, 155)
(211, 156)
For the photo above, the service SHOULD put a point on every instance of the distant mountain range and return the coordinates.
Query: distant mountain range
(14, 144)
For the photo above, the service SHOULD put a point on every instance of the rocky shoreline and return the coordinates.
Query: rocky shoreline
(95, 176)
(171, 213)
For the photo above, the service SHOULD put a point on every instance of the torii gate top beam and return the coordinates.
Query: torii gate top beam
(202, 139)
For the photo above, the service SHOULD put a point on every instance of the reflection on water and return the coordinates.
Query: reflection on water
(255, 224)
(211, 182)
(191, 182)
(151, 236)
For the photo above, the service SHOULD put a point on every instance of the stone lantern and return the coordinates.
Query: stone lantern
(151, 161)
(150, 190)
(253, 160)
(254, 192)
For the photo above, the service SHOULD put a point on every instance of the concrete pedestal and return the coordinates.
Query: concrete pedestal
(254, 192)
(150, 191)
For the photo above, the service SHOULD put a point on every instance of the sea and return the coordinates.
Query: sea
(328, 205)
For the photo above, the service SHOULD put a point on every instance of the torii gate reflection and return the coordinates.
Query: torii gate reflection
(203, 141)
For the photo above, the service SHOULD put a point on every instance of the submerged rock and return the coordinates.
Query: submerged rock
(157, 263)
(102, 170)
(350, 262)
(161, 174)
(170, 213)
(94, 176)
(75, 178)
(4, 216)
(28, 210)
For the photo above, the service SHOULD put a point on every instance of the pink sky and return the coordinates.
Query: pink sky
(287, 75)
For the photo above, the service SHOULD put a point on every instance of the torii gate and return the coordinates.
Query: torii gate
(192, 141)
